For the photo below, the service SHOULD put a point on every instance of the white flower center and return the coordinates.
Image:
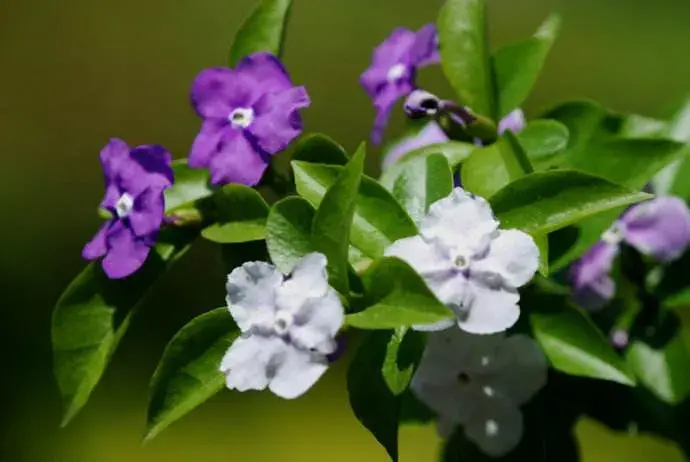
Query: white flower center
(242, 117)
(282, 323)
(124, 205)
(396, 72)
(461, 261)
(614, 235)
(491, 427)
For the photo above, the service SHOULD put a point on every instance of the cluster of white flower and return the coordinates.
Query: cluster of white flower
(468, 376)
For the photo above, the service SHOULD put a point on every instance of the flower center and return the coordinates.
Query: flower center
(124, 205)
(614, 235)
(396, 72)
(462, 262)
(282, 323)
(242, 117)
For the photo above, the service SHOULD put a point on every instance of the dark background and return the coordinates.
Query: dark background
(75, 72)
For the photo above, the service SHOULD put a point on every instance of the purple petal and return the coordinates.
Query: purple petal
(217, 91)
(660, 227)
(424, 50)
(147, 215)
(277, 122)
(97, 247)
(206, 143)
(148, 166)
(384, 103)
(266, 70)
(592, 285)
(393, 51)
(237, 161)
(515, 122)
(430, 134)
(112, 194)
(126, 254)
(112, 156)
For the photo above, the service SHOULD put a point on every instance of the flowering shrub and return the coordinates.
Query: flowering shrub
(501, 278)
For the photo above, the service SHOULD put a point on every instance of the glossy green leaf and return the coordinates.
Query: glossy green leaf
(465, 54)
(379, 220)
(239, 215)
(333, 220)
(542, 202)
(371, 399)
(188, 373)
(628, 162)
(573, 343)
(190, 186)
(544, 141)
(422, 183)
(637, 126)
(288, 232)
(94, 313)
(263, 30)
(396, 296)
(661, 365)
(403, 352)
(320, 149)
(518, 66)
(455, 153)
(586, 121)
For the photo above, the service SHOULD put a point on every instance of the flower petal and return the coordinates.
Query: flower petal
(148, 166)
(207, 142)
(515, 122)
(489, 310)
(111, 156)
(520, 369)
(317, 322)
(217, 91)
(424, 49)
(308, 279)
(251, 294)
(97, 247)
(237, 161)
(513, 255)
(430, 134)
(394, 49)
(384, 102)
(247, 363)
(147, 215)
(277, 122)
(495, 426)
(266, 70)
(425, 258)
(296, 372)
(660, 227)
(460, 221)
(126, 254)
(592, 285)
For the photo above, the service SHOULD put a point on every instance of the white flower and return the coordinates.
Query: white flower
(469, 264)
(479, 382)
(288, 326)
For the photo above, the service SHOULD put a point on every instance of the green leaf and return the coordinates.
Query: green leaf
(240, 216)
(518, 66)
(94, 313)
(489, 169)
(403, 352)
(396, 296)
(371, 399)
(661, 361)
(465, 54)
(333, 220)
(586, 121)
(544, 141)
(572, 342)
(379, 220)
(190, 186)
(628, 162)
(455, 153)
(288, 232)
(263, 30)
(542, 202)
(320, 149)
(187, 374)
(422, 183)
(637, 126)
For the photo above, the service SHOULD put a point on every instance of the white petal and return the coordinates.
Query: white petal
(425, 258)
(460, 221)
(297, 372)
(495, 426)
(521, 369)
(317, 322)
(308, 279)
(489, 310)
(246, 363)
(513, 255)
(251, 293)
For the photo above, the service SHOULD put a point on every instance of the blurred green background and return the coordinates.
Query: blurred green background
(75, 72)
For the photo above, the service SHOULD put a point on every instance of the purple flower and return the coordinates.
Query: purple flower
(430, 134)
(394, 68)
(514, 121)
(134, 184)
(249, 114)
(659, 228)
